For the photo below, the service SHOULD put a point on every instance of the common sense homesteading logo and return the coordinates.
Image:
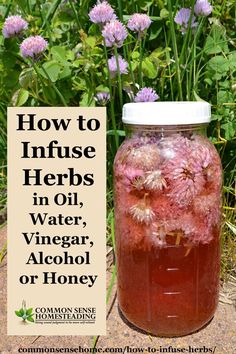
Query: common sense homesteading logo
(24, 313)
(65, 315)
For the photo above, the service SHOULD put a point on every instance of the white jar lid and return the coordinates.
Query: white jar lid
(166, 113)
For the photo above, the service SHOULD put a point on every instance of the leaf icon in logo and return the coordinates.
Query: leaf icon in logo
(24, 313)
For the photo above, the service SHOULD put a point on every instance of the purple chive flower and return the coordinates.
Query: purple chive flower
(182, 18)
(139, 23)
(142, 213)
(13, 26)
(203, 8)
(102, 98)
(123, 65)
(114, 33)
(186, 179)
(101, 13)
(146, 94)
(33, 46)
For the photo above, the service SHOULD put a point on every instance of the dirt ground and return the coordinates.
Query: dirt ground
(218, 337)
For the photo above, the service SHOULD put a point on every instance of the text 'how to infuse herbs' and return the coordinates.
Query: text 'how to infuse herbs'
(57, 203)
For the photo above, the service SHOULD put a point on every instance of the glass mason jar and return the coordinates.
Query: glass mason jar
(168, 179)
